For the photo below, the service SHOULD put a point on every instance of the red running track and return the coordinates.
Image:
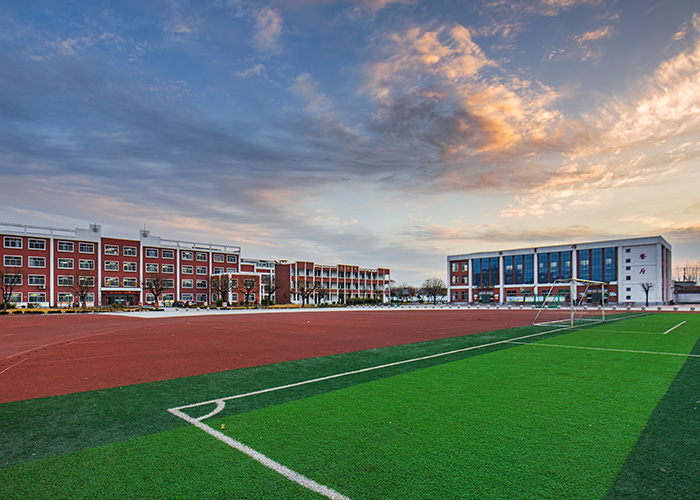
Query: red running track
(49, 355)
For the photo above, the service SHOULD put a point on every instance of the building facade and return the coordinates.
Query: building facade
(54, 267)
(627, 266)
(313, 283)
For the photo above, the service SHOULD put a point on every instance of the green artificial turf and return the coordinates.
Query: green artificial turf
(530, 421)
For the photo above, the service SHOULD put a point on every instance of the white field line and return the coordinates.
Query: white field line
(671, 329)
(259, 457)
(609, 349)
(13, 365)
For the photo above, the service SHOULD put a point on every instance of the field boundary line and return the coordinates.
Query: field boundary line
(671, 329)
(610, 349)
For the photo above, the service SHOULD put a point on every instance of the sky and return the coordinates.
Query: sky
(378, 133)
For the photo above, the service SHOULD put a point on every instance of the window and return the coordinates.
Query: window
(201, 297)
(231, 259)
(129, 267)
(14, 261)
(218, 270)
(36, 297)
(86, 280)
(628, 268)
(168, 297)
(152, 253)
(231, 270)
(111, 281)
(12, 279)
(627, 261)
(86, 264)
(65, 246)
(465, 280)
(455, 267)
(151, 268)
(168, 283)
(37, 279)
(234, 282)
(37, 244)
(187, 269)
(129, 251)
(168, 268)
(218, 257)
(628, 289)
(628, 250)
(201, 269)
(187, 283)
(65, 263)
(187, 297)
(454, 280)
(65, 297)
(65, 281)
(37, 262)
(202, 257)
(628, 278)
(111, 250)
(465, 295)
(111, 265)
(234, 297)
(186, 255)
(86, 248)
(201, 283)
(150, 297)
(465, 267)
(168, 254)
(16, 297)
(628, 297)
(12, 242)
(129, 282)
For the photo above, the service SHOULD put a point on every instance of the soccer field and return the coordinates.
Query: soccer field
(609, 411)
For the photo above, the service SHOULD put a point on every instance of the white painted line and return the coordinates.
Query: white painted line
(671, 329)
(609, 349)
(264, 460)
(13, 365)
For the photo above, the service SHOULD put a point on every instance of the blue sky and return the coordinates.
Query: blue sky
(370, 132)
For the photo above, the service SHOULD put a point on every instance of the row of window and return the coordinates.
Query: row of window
(69, 298)
(336, 274)
(127, 251)
(40, 244)
(85, 264)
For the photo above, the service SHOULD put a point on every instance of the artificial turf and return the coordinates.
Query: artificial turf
(525, 421)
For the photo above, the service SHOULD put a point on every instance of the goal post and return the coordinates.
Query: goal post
(570, 289)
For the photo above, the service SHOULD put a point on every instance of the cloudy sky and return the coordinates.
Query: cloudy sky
(370, 132)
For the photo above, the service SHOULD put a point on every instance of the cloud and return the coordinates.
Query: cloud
(255, 70)
(437, 93)
(268, 23)
(591, 52)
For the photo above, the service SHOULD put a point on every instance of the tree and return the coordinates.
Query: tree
(10, 278)
(155, 283)
(83, 283)
(688, 272)
(647, 287)
(434, 288)
(272, 286)
(249, 285)
(306, 288)
(222, 284)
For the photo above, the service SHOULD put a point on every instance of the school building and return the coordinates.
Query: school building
(630, 268)
(50, 266)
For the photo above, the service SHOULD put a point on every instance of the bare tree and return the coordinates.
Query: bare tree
(688, 272)
(155, 283)
(272, 286)
(249, 284)
(83, 283)
(306, 288)
(647, 288)
(223, 284)
(10, 278)
(434, 288)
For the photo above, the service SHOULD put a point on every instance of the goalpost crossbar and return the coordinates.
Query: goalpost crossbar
(575, 299)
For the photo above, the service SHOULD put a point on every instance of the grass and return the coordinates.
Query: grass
(521, 421)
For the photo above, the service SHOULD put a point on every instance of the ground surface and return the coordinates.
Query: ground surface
(48, 355)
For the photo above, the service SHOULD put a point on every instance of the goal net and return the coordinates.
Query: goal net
(571, 302)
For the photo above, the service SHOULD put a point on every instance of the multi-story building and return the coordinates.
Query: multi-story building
(55, 266)
(626, 266)
(314, 283)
